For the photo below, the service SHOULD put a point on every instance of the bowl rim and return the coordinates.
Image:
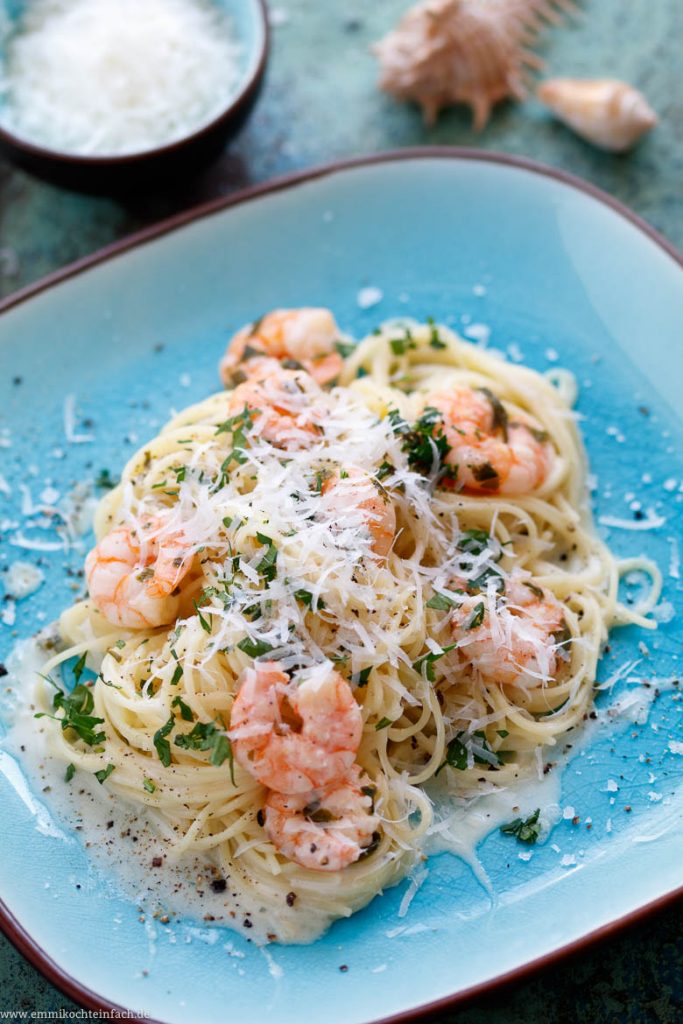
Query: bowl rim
(65, 159)
(13, 930)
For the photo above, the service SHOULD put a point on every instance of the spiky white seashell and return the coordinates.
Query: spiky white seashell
(610, 114)
(464, 51)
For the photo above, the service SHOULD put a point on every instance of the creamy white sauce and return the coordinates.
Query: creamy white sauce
(122, 840)
(125, 846)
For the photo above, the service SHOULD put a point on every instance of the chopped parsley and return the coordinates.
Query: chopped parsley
(163, 747)
(526, 830)
(425, 663)
(207, 736)
(500, 416)
(76, 708)
(70, 772)
(105, 481)
(399, 346)
(457, 752)
(361, 678)
(238, 426)
(345, 348)
(385, 470)
(473, 542)
(267, 567)
(442, 602)
(435, 339)
(254, 648)
(149, 785)
(80, 666)
(104, 773)
(424, 443)
(456, 755)
(485, 474)
(563, 635)
(477, 616)
(177, 675)
(206, 626)
(317, 813)
(186, 712)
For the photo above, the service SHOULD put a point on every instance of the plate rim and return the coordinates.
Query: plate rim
(13, 930)
(291, 180)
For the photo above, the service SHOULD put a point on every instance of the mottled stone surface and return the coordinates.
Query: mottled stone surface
(320, 103)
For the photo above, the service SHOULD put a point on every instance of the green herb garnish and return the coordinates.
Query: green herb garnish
(427, 661)
(105, 481)
(473, 542)
(385, 470)
(525, 830)
(425, 443)
(163, 747)
(485, 474)
(500, 416)
(77, 708)
(254, 648)
(186, 712)
(80, 666)
(457, 752)
(434, 337)
(345, 348)
(361, 678)
(267, 567)
(104, 773)
(456, 755)
(442, 602)
(206, 626)
(477, 616)
(207, 736)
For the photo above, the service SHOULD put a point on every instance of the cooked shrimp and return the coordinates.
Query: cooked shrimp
(516, 637)
(281, 406)
(328, 829)
(351, 491)
(132, 578)
(304, 336)
(295, 735)
(490, 452)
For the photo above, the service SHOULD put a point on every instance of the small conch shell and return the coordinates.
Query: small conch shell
(610, 114)
(464, 51)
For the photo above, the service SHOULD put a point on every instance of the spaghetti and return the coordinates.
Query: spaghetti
(373, 533)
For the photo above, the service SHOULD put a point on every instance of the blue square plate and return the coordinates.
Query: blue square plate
(538, 266)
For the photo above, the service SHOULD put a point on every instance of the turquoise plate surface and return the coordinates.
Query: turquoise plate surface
(543, 268)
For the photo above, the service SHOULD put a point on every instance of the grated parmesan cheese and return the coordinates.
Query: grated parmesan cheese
(117, 76)
(22, 579)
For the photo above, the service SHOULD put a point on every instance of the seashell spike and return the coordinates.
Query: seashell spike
(610, 114)
(464, 51)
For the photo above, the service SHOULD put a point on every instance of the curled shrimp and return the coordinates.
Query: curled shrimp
(295, 735)
(305, 336)
(132, 578)
(328, 829)
(349, 492)
(280, 404)
(489, 452)
(515, 638)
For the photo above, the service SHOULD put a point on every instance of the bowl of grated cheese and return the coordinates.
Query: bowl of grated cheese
(105, 95)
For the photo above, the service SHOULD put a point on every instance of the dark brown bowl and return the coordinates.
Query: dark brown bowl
(185, 156)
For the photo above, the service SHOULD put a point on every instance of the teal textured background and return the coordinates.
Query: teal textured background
(319, 104)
